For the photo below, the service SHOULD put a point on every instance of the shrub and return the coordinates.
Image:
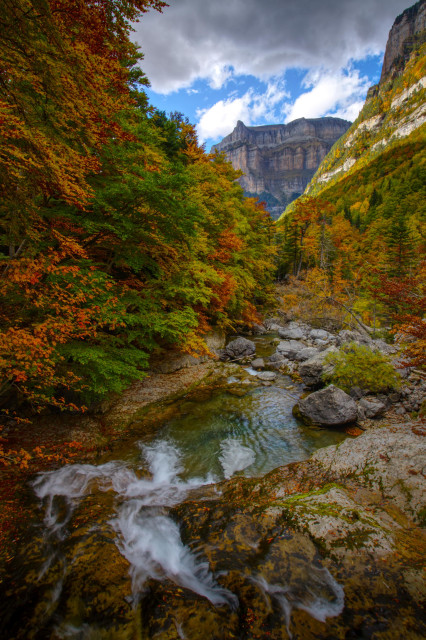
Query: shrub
(358, 366)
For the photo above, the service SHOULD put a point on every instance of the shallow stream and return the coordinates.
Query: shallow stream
(108, 533)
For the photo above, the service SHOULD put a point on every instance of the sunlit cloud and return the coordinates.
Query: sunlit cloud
(339, 93)
(221, 118)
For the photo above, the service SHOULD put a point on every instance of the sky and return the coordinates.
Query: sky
(263, 61)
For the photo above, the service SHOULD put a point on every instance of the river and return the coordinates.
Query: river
(107, 533)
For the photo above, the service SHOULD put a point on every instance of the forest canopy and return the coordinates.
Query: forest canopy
(119, 234)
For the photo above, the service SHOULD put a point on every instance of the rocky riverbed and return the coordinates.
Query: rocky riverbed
(328, 547)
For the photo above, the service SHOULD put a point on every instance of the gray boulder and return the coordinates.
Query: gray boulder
(292, 332)
(306, 354)
(277, 360)
(240, 348)
(345, 336)
(290, 348)
(259, 363)
(370, 408)
(258, 329)
(312, 370)
(328, 407)
(384, 347)
(320, 334)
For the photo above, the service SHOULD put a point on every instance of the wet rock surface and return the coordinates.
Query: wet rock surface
(328, 548)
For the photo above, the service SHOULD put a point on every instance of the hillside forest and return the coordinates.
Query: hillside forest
(352, 248)
(120, 235)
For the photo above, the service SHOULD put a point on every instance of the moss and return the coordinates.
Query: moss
(421, 516)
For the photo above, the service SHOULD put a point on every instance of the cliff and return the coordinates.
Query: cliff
(394, 114)
(406, 31)
(278, 161)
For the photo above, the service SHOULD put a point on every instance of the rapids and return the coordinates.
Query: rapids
(128, 508)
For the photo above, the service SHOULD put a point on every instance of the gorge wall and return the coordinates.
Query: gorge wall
(407, 31)
(394, 114)
(278, 161)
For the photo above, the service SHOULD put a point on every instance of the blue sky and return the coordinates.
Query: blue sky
(263, 61)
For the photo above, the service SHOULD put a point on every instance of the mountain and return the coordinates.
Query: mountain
(278, 161)
(391, 123)
(355, 242)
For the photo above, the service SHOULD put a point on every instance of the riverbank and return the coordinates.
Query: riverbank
(349, 518)
(51, 440)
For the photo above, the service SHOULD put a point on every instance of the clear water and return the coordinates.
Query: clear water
(207, 441)
(250, 435)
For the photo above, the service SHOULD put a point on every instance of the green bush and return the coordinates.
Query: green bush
(358, 366)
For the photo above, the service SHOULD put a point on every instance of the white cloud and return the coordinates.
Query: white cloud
(339, 93)
(221, 118)
(219, 76)
(199, 39)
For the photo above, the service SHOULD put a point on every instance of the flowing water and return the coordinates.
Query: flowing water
(125, 506)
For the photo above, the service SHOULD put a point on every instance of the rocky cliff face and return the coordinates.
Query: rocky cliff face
(406, 30)
(395, 110)
(278, 161)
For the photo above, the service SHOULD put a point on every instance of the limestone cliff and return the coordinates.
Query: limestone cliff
(394, 114)
(278, 161)
(406, 30)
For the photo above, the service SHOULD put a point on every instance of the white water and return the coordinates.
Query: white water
(146, 536)
(235, 456)
(322, 596)
(150, 540)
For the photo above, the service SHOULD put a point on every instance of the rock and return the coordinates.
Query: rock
(383, 347)
(215, 340)
(292, 331)
(319, 334)
(394, 397)
(328, 407)
(352, 336)
(402, 38)
(258, 329)
(372, 407)
(259, 363)
(356, 393)
(289, 348)
(386, 459)
(240, 348)
(266, 376)
(276, 361)
(172, 361)
(281, 158)
(312, 370)
(306, 354)
(273, 324)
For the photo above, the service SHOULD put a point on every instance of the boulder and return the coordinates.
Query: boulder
(290, 348)
(384, 347)
(292, 332)
(320, 334)
(273, 324)
(259, 363)
(345, 336)
(312, 370)
(306, 354)
(328, 407)
(266, 376)
(277, 360)
(258, 329)
(239, 348)
(371, 408)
